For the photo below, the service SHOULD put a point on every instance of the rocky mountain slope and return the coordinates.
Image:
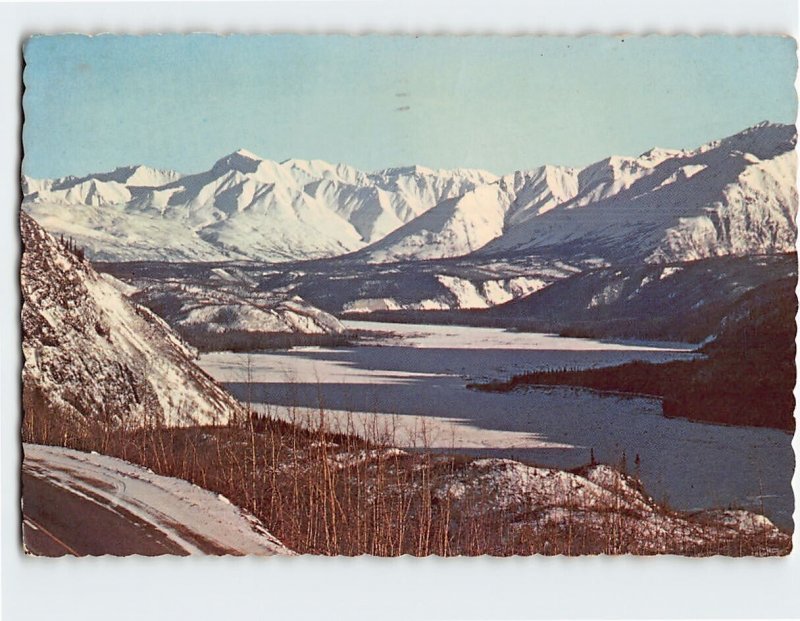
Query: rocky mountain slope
(680, 301)
(579, 299)
(91, 352)
(345, 286)
(222, 306)
(232, 318)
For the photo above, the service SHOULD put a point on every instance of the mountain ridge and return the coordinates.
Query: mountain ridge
(243, 207)
(735, 195)
(730, 196)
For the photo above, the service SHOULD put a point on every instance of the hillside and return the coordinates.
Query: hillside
(746, 377)
(92, 353)
(235, 318)
(672, 302)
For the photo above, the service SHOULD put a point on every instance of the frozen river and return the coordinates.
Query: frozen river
(412, 386)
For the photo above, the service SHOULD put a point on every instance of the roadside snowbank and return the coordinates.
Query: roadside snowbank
(185, 513)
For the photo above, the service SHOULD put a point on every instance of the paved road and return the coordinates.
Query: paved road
(57, 522)
(90, 504)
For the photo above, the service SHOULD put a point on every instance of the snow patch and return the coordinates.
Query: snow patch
(670, 271)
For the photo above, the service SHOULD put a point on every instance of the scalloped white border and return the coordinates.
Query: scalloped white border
(319, 588)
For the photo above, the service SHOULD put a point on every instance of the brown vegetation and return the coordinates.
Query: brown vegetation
(336, 493)
(247, 341)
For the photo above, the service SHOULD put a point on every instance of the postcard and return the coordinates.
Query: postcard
(425, 295)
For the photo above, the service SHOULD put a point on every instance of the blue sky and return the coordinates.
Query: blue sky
(499, 103)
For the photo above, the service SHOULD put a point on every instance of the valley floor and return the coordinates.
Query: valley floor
(409, 388)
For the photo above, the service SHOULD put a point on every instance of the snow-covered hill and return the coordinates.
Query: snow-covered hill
(244, 207)
(545, 500)
(631, 301)
(227, 314)
(732, 196)
(91, 352)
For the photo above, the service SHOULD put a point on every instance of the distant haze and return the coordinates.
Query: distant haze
(496, 103)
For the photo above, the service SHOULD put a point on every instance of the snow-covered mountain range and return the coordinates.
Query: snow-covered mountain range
(244, 207)
(91, 352)
(731, 196)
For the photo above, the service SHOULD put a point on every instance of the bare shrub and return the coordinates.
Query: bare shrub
(324, 492)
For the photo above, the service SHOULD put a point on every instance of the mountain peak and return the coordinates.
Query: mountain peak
(140, 175)
(246, 154)
(240, 160)
(765, 140)
(762, 127)
(414, 169)
(765, 124)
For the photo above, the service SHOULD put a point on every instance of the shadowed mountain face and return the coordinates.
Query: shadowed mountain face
(681, 301)
(674, 302)
(90, 352)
